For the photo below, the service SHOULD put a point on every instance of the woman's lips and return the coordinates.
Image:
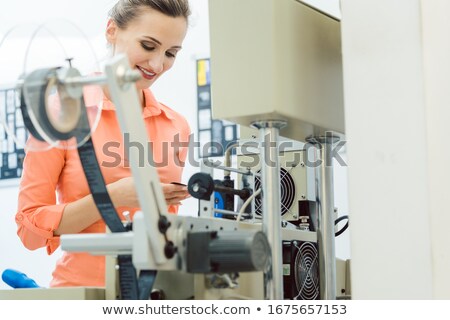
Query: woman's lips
(146, 74)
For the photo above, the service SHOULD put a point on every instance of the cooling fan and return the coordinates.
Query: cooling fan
(296, 181)
(288, 192)
(301, 270)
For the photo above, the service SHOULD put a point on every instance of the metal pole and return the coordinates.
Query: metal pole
(271, 209)
(325, 230)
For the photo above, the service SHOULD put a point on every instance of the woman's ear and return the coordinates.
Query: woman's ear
(111, 31)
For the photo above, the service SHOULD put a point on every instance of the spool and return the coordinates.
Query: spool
(29, 47)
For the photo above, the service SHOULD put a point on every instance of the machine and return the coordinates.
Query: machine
(286, 81)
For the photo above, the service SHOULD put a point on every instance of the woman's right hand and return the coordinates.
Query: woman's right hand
(174, 193)
(123, 193)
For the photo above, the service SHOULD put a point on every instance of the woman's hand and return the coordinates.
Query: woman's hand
(123, 193)
(174, 193)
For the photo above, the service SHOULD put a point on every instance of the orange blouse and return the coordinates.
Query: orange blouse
(53, 178)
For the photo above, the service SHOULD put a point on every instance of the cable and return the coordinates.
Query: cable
(246, 203)
(337, 234)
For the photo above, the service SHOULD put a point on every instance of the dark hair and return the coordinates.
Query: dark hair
(125, 11)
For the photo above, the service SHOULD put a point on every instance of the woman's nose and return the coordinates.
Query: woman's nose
(156, 63)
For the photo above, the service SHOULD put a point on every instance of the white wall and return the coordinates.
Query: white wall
(437, 78)
(331, 7)
(396, 77)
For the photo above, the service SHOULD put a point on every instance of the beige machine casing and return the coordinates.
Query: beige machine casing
(283, 63)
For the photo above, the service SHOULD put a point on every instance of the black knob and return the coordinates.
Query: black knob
(201, 186)
(158, 294)
(170, 250)
(163, 224)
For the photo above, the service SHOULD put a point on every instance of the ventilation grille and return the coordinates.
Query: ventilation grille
(287, 192)
(306, 272)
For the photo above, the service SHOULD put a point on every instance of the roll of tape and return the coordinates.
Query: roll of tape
(37, 89)
(26, 118)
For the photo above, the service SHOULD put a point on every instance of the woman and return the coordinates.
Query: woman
(151, 33)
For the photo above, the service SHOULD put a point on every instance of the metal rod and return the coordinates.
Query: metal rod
(243, 194)
(225, 211)
(88, 80)
(128, 76)
(271, 191)
(216, 166)
(227, 157)
(75, 81)
(232, 213)
(325, 230)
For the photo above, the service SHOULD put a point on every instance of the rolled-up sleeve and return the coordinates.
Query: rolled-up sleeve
(38, 213)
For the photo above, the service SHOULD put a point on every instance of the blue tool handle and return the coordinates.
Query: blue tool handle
(17, 279)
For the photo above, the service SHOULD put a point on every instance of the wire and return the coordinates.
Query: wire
(337, 234)
(246, 203)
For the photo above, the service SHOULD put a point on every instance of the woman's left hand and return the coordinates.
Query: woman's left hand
(174, 193)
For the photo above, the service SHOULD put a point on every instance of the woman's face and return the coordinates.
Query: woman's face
(151, 41)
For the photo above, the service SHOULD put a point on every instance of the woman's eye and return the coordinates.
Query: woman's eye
(147, 47)
(171, 55)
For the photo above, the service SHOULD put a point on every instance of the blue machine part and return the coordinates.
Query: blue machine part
(218, 204)
(17, 279)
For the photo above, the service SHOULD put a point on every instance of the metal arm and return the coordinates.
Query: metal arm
(149, 190)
